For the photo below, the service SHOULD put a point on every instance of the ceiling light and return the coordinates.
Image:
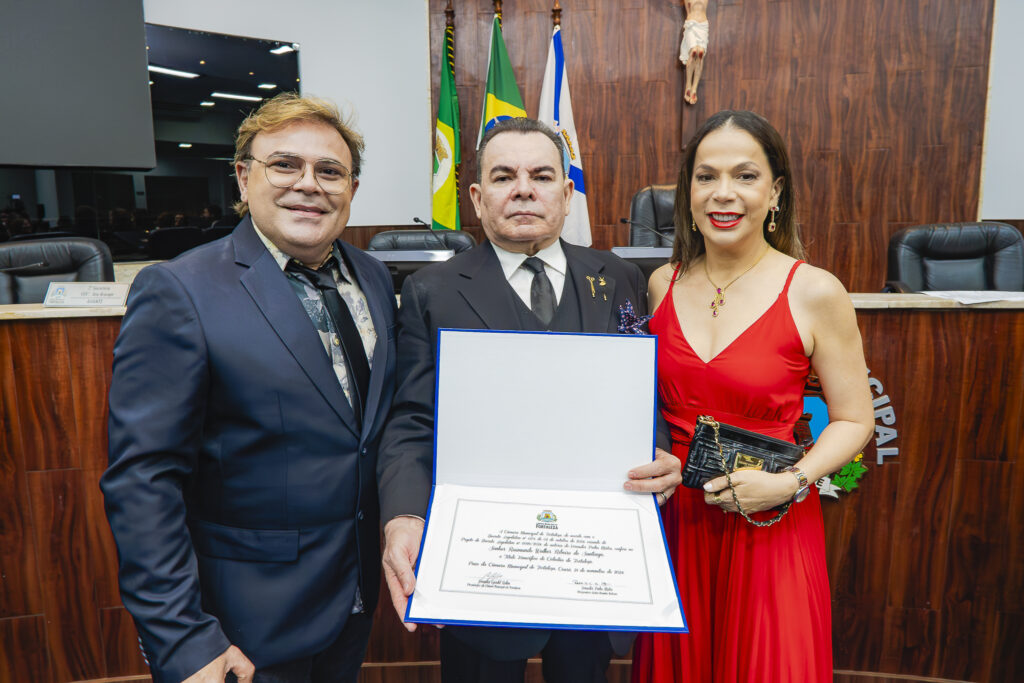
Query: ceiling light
(151, 82)
(207, 103)
(184, 145)
(172, 72)
(202, 61)
(283, 50)
(233, 96)
(266, 86)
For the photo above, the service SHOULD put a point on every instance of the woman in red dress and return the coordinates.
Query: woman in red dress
(741, 320)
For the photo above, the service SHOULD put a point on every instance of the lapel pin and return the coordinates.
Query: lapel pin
(590, 279)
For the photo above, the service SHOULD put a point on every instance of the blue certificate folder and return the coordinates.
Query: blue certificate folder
(528, 524)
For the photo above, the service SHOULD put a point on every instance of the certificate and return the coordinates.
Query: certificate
(528, 523)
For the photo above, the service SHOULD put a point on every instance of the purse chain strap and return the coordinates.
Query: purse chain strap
(713, 423)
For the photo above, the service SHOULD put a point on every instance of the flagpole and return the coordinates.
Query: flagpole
(497, 12)
(449, 23)
(556, 14)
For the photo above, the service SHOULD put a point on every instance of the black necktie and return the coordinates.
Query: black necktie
(351, 342)
(542, 294)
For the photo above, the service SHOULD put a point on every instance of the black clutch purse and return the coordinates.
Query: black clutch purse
(718, 449)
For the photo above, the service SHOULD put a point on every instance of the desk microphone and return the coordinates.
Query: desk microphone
(648, 229)
(26, 266)
(443, 246)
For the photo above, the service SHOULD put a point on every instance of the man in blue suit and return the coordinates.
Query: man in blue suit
(250, 384)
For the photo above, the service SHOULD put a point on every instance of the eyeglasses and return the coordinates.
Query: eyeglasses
(284, 170)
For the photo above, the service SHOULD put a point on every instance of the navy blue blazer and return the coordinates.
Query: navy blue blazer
(241, 490)
(470, 291)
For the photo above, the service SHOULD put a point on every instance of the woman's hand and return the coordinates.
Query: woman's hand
(661, 476)
(755, 490)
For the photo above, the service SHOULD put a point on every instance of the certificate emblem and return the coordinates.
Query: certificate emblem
(547, 520)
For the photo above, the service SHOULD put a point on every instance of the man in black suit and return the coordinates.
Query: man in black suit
(250, 384)
(523, 278)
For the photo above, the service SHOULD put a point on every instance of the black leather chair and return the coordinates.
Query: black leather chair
(956, 256)
(27, 268)
(400, 240)
(215, 232)
(166, 243)
(652, 213)
(43, 236)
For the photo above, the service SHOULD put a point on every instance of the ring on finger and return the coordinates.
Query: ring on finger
(664, 498)
(716, 499)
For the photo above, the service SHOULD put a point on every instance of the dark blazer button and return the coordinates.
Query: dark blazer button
(360, 516)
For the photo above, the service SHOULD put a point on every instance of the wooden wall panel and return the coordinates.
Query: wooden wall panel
(926, 558)
(72, 616)
(24, 655)
(19, 589)
(886, 97)
(59, 564)
(122, 655)
(42, 368)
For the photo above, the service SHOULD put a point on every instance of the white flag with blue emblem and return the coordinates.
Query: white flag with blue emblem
(556, 111)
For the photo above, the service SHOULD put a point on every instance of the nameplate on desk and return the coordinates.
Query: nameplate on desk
(86, 294)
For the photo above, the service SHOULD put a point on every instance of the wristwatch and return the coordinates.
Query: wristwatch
(803, 486)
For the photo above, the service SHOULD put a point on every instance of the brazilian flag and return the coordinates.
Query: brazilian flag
(446, 144)
(503, 100)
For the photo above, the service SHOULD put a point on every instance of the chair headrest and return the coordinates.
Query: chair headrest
(55, 256)
(985, 255)
(455, 240)
(26, 268)
(652, 209)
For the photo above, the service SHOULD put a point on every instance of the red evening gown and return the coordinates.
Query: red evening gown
(756, 600)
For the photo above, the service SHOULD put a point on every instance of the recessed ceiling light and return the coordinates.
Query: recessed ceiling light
(172, 72)
(207, 103)
(252, 73)
(283, 50)
(184, 145)
(202, 61)
(267, 86)
(233, 96)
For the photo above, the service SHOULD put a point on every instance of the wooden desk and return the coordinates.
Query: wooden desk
(926, 558)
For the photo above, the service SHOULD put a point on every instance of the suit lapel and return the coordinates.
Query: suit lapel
(270, 291)
(380, 325)
(486, 290)
(595, 304)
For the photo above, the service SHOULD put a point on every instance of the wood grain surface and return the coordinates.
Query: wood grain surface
(926, 557)
(881, 103)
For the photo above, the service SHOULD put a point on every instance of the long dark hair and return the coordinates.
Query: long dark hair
(688, 244)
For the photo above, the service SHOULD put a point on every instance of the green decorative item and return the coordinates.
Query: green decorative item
(847, 478)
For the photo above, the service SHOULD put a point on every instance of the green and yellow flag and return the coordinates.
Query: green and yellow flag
(503, 100)
(445, 213)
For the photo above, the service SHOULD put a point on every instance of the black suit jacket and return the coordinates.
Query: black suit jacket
(470, 292)
(241, 490)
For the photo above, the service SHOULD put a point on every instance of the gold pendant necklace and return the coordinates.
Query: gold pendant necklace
(719, 300)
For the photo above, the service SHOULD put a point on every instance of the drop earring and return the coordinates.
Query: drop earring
(771, 225)
(693, 224)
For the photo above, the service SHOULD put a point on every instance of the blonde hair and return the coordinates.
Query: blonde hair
(288, 108)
